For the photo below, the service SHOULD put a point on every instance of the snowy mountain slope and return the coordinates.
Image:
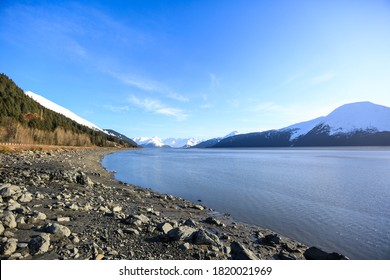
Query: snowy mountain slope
(168, 142)
(149, 141)
(181, 142)
(358, 116)
(354, 124)
(61, 110)
(233, 133)
(348, 118)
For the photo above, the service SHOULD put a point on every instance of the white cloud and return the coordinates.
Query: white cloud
(155, 106)
(176, 96)
(323, 78)
(145, 84)
(117, 109)
(206, 106)
(214, 80)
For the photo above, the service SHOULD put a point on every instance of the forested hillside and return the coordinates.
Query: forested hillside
(23, 120)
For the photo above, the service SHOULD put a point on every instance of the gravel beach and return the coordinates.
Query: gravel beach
(62, 204)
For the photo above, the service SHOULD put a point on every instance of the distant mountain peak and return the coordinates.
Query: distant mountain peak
(233, 133)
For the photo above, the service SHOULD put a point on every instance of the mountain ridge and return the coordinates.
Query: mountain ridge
(353, 124)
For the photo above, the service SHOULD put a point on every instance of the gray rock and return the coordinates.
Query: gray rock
(185, 246)
(137, 220)
(39, 244)
(8, 219)
(190, 223)
(240, 252)
(10, 246)
(39, 215)
(213, 221)
(272, 239)
(198, 207)
(314, 253)
(8, 234)
(202, 237)
(13, 205)
(117, 209)
(184, 233)
(83, 179)
(63, 219)
(26, 197)
(142, 218)
(57, 229)
(164, 227)
(9, 191)
(131, 231)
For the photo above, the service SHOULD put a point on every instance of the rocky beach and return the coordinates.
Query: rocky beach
(62, 204)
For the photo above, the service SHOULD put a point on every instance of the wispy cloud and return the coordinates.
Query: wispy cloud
(206, 106)
(214, 80)
(267, 107)
(146, 85)
(323, 78)
(135, 81)
(155, 106)
(117, 109)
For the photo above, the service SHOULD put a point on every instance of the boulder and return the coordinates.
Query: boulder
(314, 253)
(137, 220)
(213, 221)
(39, 244)
(8, 219)
(26, 197)
(272, 239)
(57, 229)
(184, 233)
(202, 237)
(164, 227)
(39, 215)
(190, 223)
(13, 205)
(9, 191)
(240, 252)
(83, 179)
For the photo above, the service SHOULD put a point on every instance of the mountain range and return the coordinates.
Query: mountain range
(354, 124)
(156, 142)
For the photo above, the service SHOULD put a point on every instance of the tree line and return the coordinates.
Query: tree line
(23, 120)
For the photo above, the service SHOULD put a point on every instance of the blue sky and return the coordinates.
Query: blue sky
(198, 68)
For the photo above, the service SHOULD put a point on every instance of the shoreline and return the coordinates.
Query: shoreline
(63, 204)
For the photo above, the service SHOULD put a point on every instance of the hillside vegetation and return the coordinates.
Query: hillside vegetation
(25, 121)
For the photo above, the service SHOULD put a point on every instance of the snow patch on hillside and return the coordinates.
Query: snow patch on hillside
(61, 110)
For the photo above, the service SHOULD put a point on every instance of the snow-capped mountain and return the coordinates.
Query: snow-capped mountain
(155, 142)
(354, 124)
(360, 116)
(181, 142)
(61, 110)
(149, 142)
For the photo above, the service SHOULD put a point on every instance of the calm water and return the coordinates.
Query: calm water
(336, 199)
